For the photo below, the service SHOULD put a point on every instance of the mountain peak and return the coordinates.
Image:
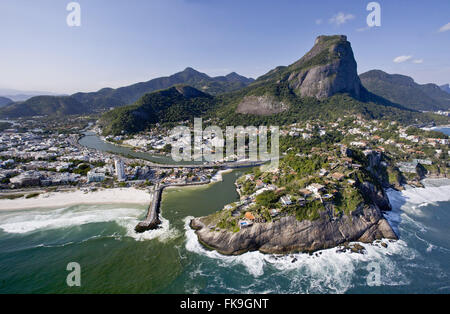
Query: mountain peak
(189, 91)
(328, 38)
(327, 69)
(189, 69)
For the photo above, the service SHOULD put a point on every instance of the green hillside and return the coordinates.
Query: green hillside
(44, 106)
(322, 85)
(404, 91)
(175, 104)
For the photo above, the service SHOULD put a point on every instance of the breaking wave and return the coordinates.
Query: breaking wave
(22, 222)
(326, 271)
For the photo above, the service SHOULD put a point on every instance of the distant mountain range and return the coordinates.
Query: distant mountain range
(21, 95)
(445, 88)
(322, 85)
(108, 97)
(44, 106)
(403, 90)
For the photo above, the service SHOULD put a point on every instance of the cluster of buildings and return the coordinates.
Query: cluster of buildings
(339, 172)
(37, 158)
(44, 158)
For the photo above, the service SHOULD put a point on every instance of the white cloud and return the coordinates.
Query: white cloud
(418, 61)
(341, 18)
(445, 28)
(319, 21)
(363, 29)
(401, 59)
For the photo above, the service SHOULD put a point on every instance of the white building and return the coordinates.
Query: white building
(315, 188)
(120, 170)
(93, 176)
(286, 200)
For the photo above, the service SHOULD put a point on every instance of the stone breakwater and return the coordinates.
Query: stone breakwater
(152, 220)
(287, 235)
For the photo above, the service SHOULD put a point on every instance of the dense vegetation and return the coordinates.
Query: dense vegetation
(330, 109)
(172, 105)
(82, 103)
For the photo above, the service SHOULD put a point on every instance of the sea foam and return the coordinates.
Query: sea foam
(26, 221)
(326, 271)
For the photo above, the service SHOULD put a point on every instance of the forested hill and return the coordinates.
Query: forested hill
(175, 104)
(44, 106)
(322, 85)
(85, 103)
(403, 90)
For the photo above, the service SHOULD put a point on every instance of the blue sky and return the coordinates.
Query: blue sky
(122, 42)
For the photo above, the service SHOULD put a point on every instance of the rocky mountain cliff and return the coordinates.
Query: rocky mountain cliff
(289, 234)
(327, 69)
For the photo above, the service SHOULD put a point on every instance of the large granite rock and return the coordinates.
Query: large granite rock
(327, 69)
(261, 105)
(366, 224)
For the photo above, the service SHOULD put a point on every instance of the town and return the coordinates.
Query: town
(320, 164)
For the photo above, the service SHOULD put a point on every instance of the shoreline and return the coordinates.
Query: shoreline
(78, 197)
(434, 190)
(437, 127)
(216, 178)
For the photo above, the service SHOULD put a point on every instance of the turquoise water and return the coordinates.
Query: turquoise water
(36, 246)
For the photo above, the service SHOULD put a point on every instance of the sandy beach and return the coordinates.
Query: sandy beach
(64, 199)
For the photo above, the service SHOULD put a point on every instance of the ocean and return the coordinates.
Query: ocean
(37, 245)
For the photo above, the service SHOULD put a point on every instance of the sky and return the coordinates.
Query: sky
(122, 42)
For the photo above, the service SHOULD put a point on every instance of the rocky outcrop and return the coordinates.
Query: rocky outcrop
(261, 105)
(327, 69)
(286, 235)
(376, 195)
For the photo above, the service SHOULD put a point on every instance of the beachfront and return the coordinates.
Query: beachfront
(79, 197)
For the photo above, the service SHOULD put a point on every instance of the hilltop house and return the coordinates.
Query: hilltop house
(315, 188)
(286, 200)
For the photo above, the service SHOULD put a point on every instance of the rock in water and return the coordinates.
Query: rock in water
(366, 224)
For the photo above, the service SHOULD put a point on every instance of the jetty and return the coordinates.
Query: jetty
(152, 220)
